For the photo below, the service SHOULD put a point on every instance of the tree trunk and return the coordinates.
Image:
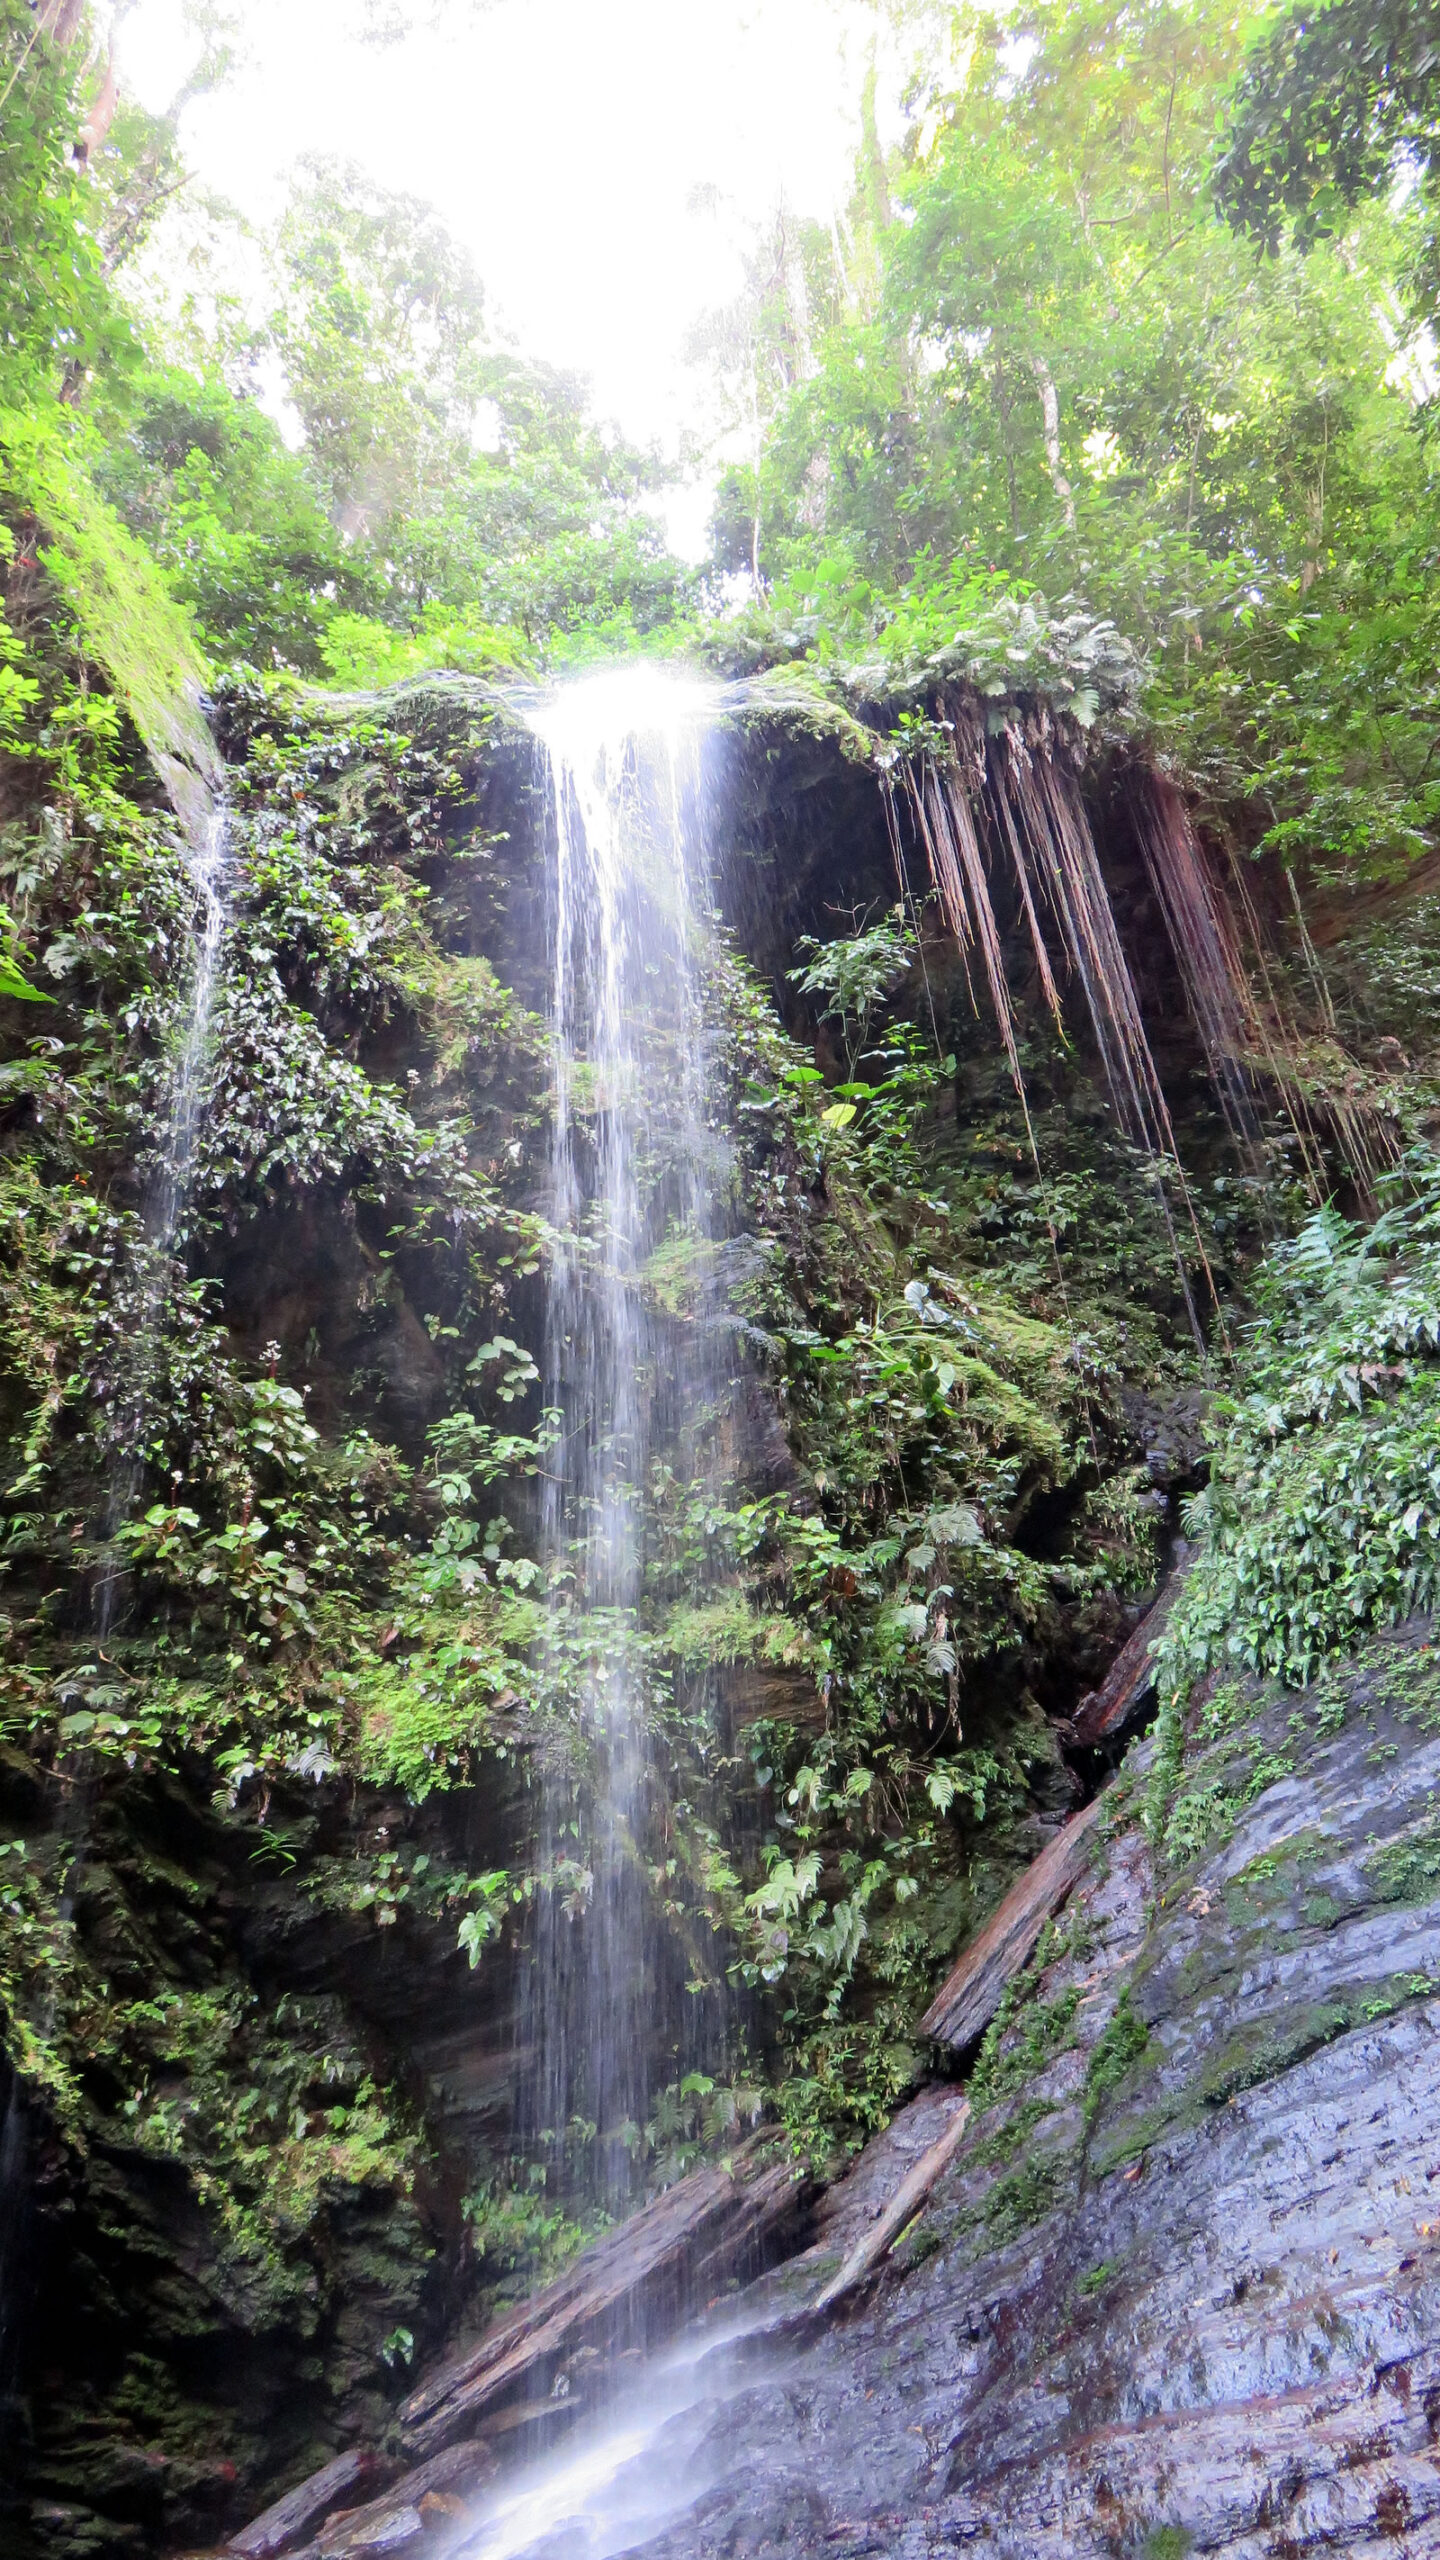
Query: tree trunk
(715, 2221)
(1050, 406)
(965, 2004)
(61, 20)
(1131, 1676)
(1002, 403)
(100, 115)
(797, 300)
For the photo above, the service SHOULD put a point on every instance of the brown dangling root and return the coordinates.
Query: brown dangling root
(1035, 809)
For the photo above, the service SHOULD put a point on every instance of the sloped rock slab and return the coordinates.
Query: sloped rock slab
(1180, 2292)
(720, 2221)
(969, 1997)
(415, 2509)
(291, 2520)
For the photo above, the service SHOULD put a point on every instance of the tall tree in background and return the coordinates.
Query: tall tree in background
(1062, 326)
(1333, 105)
(1076, 381)
(57, 319)
(444, 490)
(472, 478)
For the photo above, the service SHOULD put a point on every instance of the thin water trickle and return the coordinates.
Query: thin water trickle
(208, 863)
(209, 867)
(629, 1180)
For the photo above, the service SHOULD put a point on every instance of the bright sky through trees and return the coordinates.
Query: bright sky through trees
(563, 143)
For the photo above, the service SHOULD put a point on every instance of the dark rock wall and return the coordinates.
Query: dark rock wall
(279, 2078)
(1181, 2291)
(178, 2337)
(242, 2218)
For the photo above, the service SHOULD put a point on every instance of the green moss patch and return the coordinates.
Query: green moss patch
(127, 622)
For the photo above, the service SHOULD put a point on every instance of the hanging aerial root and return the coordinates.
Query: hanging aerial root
(1372, 1146)
(1048, 824)
(1249, 1039)
(1022, 780)
(941, 805)
(1220, 958)
(946, 827)
(1205, 942)
(908, 906)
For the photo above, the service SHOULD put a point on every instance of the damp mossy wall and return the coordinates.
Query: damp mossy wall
(271, 1837)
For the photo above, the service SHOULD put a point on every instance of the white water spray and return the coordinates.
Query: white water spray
(625, 2477)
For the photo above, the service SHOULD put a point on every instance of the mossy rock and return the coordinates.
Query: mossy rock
(128, 623)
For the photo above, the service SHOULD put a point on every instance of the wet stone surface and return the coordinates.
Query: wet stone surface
(1181, 2290)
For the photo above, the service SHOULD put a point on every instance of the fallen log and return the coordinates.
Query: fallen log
(293, 2518)
(772, 2202)
(1131, 1676)
(968, 2000)
(716, 2223)
(411, 2509)
(644, 2275)
(905, 2203)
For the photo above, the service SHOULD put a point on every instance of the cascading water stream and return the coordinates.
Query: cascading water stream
(207, 861)
(629, 1178)
(626, 2477)
(630, 894)
(209, 868)
(208, 864)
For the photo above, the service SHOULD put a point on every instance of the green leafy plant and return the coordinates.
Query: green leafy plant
(1322, 1514)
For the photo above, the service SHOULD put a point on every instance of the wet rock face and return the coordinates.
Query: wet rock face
(1181, 2291)
(173, 2349)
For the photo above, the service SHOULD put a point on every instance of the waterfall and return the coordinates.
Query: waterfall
(636, 2469)
(207, 861)
(628, 1177)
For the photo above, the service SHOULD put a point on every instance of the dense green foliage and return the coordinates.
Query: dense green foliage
(1036, 432)
(122, 616)
(1049, 369)
(1043, 367)
(55, 310)
(1321, 1516)
(1332, 104)
(451, 501)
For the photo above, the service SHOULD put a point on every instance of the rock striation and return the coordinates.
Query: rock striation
(1180, 2290)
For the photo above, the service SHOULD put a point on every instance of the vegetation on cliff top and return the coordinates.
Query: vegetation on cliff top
(1040, 422)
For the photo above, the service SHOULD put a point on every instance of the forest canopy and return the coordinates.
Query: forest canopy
(1133, 321)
